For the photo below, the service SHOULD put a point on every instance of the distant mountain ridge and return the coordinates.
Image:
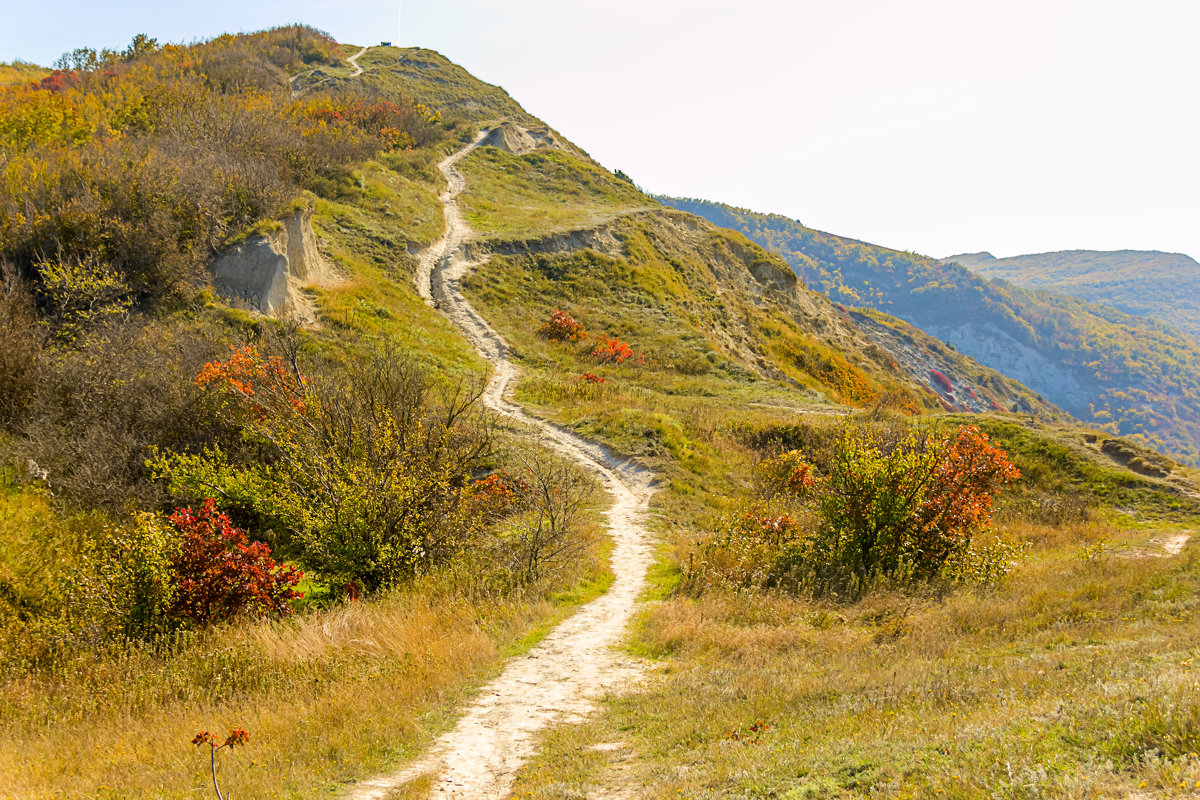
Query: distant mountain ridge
(1132, 375)
(1145, 283)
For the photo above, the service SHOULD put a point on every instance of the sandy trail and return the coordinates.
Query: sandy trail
(557, 680)
(354, 61)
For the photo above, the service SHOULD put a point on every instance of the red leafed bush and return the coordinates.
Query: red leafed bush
(562, 327)
(59, 81)
(591, 377)
(611, 350)
(941, 381)
(220, 574)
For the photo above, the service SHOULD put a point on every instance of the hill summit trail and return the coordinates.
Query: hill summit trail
(556, 680)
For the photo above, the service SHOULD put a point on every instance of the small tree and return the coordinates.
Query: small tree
(909, 508)
(885, 507)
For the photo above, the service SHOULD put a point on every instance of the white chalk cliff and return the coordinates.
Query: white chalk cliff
(268, 274)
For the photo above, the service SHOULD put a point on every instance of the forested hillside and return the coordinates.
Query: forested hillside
(1130, 375)
(1145, 283)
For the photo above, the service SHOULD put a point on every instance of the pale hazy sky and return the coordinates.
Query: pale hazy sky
(938, 126)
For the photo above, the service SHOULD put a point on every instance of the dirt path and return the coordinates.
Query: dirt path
(354, 61)
(557, 680)
(1166, 546)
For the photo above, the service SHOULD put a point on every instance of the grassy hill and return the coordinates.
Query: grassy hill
(1144, 283)
(122, 401)
(1131, 375)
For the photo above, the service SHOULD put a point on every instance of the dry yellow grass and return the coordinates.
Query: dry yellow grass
(327, 698)
(1076, 678)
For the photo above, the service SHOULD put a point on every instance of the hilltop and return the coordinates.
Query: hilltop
(1130, 375)
(1145, 283)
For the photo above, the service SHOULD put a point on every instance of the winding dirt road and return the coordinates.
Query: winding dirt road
(576, 662)
(354, 61)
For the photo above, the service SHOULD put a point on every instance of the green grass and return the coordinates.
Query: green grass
(1058, 459)
(430, 78)
(549, 190)
(371, 237)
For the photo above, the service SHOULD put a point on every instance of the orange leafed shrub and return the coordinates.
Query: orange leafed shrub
(396, 125)
(611, 350)
(562, 327)
(498, 495)
(264, 383)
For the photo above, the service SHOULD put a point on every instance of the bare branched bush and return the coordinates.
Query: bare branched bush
(101, 408)
(548, 534)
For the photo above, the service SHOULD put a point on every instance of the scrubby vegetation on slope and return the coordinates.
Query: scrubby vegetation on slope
(916, 686)
(1132, 376)
(356, 453)
(122, 401)
(21, 72)
(1054, 660)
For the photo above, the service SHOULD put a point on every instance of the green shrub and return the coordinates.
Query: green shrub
(369, 470)
(901, 511)
(129, 588)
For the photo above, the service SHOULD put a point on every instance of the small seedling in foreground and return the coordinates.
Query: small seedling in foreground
(236, 736)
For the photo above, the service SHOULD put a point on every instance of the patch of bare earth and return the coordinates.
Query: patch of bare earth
(1165, 546)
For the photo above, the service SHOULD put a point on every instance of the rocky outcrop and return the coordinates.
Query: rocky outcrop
(269, 273)
(517, 140)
